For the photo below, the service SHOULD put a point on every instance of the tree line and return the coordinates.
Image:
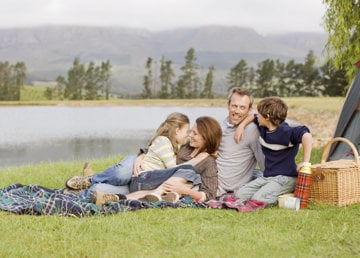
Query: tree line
(12, 78)
(82, 83)
(270, 77)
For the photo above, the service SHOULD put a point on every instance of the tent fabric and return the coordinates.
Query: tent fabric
(349, 123)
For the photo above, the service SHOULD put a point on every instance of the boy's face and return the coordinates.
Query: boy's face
(263, 121)
(239, 107)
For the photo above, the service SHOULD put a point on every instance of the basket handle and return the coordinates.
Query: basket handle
(341, 139)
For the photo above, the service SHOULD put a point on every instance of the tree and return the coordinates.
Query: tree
(265, 75)
(49, 93)
(104, 84)
(90, 82)
(209, 81)
(75, 84)
(166, 75)
(20, 71)
(280, 78)
(341, 21)
(58, 92)
(188, 83)
(310, 75)
(293, 78)
(12, 79)
(238, 74)
(334, 80)
(147, 79)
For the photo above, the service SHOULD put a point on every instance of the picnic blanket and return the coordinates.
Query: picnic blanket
(40, 200)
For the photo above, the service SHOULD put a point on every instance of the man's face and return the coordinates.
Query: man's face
(238, 108)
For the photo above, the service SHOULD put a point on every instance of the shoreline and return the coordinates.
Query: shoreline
(320, 114)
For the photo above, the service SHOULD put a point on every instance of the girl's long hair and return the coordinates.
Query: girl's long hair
(168, 128)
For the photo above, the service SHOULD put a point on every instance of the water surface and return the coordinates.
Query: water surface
(31, 134)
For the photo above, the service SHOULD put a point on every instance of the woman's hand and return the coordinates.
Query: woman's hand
(137, 165)
(201, 156)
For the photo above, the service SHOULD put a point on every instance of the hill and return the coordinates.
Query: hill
(49, 51)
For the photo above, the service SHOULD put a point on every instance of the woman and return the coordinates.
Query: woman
(205, 137)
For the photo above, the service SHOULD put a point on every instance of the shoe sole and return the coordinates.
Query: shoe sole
(150, 198)
(76, 188)
(171, 197)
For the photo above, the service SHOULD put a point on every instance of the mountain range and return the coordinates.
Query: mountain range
(49, 51)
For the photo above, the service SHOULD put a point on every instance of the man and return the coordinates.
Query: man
(236, 162)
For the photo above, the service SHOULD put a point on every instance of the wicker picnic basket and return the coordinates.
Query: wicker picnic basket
(336, 182)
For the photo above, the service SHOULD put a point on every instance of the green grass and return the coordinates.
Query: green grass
(30, 93)
(319, 231)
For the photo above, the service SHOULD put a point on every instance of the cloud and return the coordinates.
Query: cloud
(263, 15)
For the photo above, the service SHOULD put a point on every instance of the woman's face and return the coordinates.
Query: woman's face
(196, 140)
(182, 134)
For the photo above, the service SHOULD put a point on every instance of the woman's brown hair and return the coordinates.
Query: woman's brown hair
(210, 129)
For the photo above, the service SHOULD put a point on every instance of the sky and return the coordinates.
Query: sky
(265, 16)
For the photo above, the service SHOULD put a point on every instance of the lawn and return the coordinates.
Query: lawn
(318, 231)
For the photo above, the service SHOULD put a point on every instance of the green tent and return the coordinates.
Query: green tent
(349, 122)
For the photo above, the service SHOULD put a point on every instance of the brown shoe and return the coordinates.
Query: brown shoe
(171, 197)
(152, 197)
(79, 182)
(87, 171)
(100, 198)
(68, 190)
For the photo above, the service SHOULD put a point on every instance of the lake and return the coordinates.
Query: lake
(32, 134)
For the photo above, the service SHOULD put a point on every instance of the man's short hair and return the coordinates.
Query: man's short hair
(241, 92)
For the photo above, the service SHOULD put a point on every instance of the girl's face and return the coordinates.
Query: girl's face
(196, 140)
(181, 134)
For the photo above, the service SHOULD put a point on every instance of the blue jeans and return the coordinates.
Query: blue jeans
(266, 189)
(150, 180)
(114, 179)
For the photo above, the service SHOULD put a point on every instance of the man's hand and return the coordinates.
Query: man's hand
(180, 188)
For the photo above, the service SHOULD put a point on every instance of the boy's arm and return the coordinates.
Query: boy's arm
(306, 142)
(240, 130)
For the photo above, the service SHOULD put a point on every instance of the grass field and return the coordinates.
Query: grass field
(319, 231)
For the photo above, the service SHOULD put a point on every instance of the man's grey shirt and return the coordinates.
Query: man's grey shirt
(236, 161)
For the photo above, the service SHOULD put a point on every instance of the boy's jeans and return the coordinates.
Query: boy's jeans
(267, 189)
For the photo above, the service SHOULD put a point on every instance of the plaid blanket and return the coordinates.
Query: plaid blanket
(39, 200)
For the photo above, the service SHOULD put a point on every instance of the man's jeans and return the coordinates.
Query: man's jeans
(114, 179)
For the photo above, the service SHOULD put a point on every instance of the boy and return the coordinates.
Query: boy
(280, 144)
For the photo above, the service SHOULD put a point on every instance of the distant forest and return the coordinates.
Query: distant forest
(269, 78)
